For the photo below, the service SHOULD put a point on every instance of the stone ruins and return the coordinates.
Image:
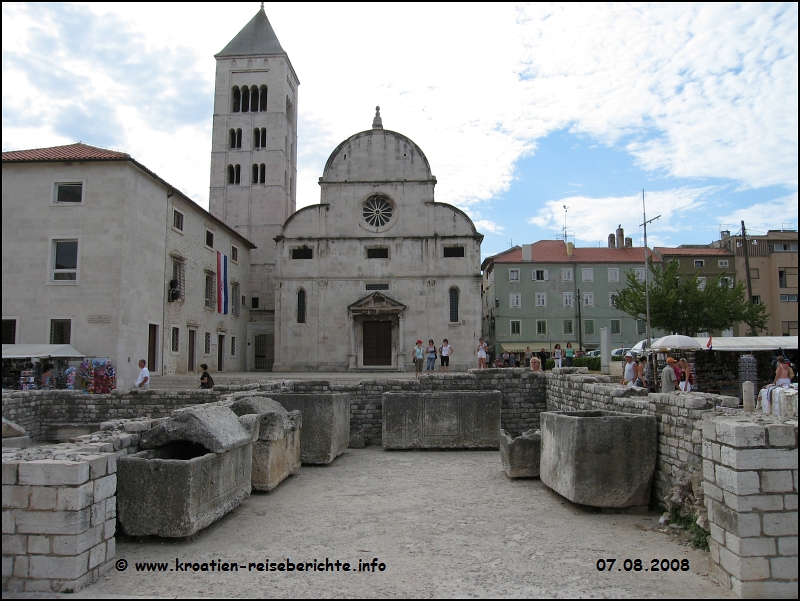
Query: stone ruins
(171, 463)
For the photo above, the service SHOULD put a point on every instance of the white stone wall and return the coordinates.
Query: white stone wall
(750, 472)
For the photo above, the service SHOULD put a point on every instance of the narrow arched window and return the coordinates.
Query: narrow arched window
(233, 138)
(263, 173)
(453, 305)
(245, 99)
(255, 174)
(231, 175)
(237, 99)
(263, 137)
(262, 106)
(256, 138)
(238, 171)
(238, 138)
(254, 99)
(301, 306)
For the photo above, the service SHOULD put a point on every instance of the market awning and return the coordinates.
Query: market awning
(749, 343)
(27, 351)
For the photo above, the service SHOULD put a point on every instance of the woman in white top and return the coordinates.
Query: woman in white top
(557, 355)
(444, 352)
(482, 347)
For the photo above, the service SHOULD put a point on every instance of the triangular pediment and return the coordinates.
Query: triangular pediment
(376, 303)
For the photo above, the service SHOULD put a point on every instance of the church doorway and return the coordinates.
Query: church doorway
(377, 342)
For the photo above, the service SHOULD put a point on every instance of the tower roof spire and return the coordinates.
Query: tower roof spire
(255, 38)
(377, 122)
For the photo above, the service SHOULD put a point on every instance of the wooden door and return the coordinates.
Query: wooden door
(152, 346)
(260, 353)
(377, 343)
(220, 352)
(192, 350)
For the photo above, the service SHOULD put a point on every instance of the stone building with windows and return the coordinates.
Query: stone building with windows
(101, 253)
(552, 292)
(376, 265)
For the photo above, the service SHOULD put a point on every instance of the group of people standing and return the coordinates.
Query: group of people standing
(677, 375)
(430, 353)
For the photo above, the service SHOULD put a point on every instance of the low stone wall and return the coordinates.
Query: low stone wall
(750, 470)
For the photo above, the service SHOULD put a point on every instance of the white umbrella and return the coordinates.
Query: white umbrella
(639, 346)
(676, 342)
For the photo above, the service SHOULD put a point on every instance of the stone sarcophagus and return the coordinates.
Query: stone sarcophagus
(195, 469)
(276, 452)
(599, 458)
(326, 423)
(520, 455)
(441, 420)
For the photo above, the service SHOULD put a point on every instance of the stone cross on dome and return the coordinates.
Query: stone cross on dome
(377, 123)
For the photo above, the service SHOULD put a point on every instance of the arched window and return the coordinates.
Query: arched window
(453, 305)
(245, 99)
(256, 138)
(263, 137)
(301, 306)
(231, 175)
(254, 99)
(233, 138)
(263, 173)
(238, 138)
(238, 171)
(262, 106)
(255, 174)
(237, 99)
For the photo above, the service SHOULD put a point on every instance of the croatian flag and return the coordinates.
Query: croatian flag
(708, 345)
(222, 283)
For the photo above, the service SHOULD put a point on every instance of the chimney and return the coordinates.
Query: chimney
(612, 241)
(628, 242)
(526, 252)
(570, 249)
(620, 236)
(724, 234)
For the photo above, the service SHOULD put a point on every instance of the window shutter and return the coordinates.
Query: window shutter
(546, 275)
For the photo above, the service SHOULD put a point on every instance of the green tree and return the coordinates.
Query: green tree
(681, 304)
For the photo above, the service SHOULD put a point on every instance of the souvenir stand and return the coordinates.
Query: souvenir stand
(34, 366)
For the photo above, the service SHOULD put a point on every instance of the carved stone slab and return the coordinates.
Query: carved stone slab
(599, 458)
(441, 420)
(325, 424)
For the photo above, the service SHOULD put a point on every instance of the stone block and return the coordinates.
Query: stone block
(75, 498)
(787, 545)
(9, 522)
(77, 544)
(744, 568)
(10, 472)
(97, 556)
(718, 534)
(759, 459)
(780, 524)
(16, 497)
(177, 490)
(98, 465)
(53, 522)
(8, 569)
(43, 497)
(111, 548)
(15, 544)
(739, 524)
(18, 442)
(790, 502)
(441, 420)
(216, 428)
(782, 435)
(740, 483)
(599, 458)
(751, 547)
(783, 568)
(749, 503)
(520, 456)
(51, 472)
(11, 429)
(764, 589)
(61, 568)
(21, 566)
(712, 491)
(325, 423)
(105, 487)
(779, 481)
(38, 545)
(740, 433)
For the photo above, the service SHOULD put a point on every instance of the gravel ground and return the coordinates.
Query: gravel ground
(444, 524)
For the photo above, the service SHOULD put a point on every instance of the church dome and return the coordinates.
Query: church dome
(377, 155)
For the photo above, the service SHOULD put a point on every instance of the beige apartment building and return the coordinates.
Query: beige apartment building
(101, 253)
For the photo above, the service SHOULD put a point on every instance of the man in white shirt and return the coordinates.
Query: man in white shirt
(144, 376)
(629, 370)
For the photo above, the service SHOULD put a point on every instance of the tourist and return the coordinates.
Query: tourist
(543, 357)
(528, 355)
(569, 353)
(445, 351)
(482, 353)
(536, 364)
(641, 373)
(687, 377)
(629, 370)
(419, 357)
(669, 382)
(557, 355)
(512, 360)
(431, 351)
(206, 381)
(143, 381)
(506, 359)
(783, 373)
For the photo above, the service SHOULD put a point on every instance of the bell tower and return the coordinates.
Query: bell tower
(254, 161)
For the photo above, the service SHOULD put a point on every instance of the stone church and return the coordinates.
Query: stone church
(353, 282)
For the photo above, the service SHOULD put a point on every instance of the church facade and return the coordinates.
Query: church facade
(376, 265)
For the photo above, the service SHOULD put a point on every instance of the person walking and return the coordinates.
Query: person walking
(482, 353)
(543, 357)
(419, 358)
(206, 381)
(669, 382)
(528, 355)
(143, 381)
(444, 352)
(569, 354)
(557, 355)
(641, 373)
(431, 352)
(629, 370)
(687, 377)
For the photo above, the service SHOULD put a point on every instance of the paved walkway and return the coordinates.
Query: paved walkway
(444, 524)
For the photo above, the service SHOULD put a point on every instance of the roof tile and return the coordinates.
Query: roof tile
(555, 251)
(70, 152)
(692, 252)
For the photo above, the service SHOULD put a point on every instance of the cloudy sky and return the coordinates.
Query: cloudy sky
(521, 109)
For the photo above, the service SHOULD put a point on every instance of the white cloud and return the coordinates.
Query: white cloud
(761, 217)
(484, 226)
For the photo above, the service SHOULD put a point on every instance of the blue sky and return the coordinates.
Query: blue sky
(521, 108)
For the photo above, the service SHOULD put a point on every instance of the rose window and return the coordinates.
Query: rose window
(377, 211)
